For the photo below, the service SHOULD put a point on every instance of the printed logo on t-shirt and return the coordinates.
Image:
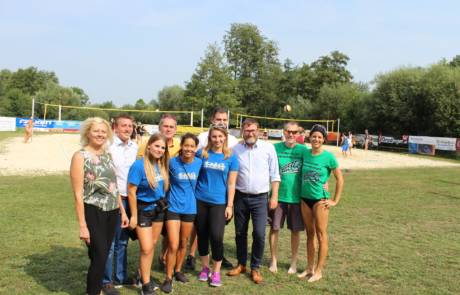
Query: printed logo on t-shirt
(311, 176)
(291, 168)
(187, 176)
(214, 165)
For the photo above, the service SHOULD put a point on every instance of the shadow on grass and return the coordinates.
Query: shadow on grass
(62, 269)
(444, 195)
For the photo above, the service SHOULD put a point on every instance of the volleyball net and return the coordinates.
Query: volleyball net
(47, 111)
(272, 122)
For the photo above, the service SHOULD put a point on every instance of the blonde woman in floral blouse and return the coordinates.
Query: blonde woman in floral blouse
(97, 201)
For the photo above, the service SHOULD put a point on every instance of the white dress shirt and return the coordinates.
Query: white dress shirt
(203, 138)
(123, 156)
(258, 167)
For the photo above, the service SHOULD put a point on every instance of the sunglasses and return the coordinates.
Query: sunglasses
(291, 131)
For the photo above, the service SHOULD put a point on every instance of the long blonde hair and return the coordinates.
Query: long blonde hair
(163, 163)
(227, 152)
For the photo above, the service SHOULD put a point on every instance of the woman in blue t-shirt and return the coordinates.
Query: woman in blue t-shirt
(148, 180)
(215, 191)
(183, 175)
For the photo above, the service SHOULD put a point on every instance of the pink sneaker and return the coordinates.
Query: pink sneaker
(215, 280)
(204, 274)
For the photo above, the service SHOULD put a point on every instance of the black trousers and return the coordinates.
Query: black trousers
(210, 227)
(101, 226)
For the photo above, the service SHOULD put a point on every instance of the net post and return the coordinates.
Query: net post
(338, 130)
(202, 116)
(191, 118)
(33, 107)
(60, 110)
(228, 117)
(44, 113)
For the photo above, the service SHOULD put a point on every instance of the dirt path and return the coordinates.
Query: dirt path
(51, 154)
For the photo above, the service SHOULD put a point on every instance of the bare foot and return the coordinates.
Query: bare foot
(306, 274)
(292, 270)
(315, 277)
(273, 267)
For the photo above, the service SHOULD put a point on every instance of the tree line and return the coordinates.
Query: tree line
(244, 73)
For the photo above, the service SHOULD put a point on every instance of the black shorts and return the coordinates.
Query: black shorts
(179, 216)
(145, 218)
(310, 202)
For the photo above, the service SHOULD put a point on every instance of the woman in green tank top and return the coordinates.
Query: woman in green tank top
(97, 201)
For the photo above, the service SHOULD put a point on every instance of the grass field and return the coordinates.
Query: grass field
(395, 232)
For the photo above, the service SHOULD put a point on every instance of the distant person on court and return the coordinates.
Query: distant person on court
(219, 117)
(290, 155)
(148, 182)
(97, 201)
(183, 174)
(350, 142)
(123, 151)
(316, 202)
(258, 170)
(367, 138)
(215, 191)
(28, 130)
(344, 144)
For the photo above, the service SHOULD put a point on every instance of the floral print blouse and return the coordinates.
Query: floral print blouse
(100, 181)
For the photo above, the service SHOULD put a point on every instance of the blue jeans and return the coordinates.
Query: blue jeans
(247, 206)
(117, 260)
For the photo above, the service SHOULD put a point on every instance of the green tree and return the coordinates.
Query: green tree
(211, 85)
(253, 63)
(455, 62)
(171, 98)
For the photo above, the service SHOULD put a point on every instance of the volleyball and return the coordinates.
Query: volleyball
(287, 108)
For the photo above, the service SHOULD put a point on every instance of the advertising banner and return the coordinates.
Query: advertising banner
(7, 124)
(440, 143)
(71, 126)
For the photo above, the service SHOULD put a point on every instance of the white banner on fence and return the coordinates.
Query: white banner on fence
(7, 124)
(441, 143)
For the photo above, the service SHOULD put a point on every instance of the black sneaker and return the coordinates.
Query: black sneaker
(109, 289)
(180, 277)
(138, 283)
(148, 289)
(166, 286)
(226, 263)
(190, 263)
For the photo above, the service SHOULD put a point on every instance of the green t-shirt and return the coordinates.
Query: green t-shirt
(290, 164)
(316, 170)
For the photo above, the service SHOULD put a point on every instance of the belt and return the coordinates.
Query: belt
(248, 195)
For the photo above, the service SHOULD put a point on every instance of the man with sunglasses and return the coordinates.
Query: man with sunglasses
(289, 154)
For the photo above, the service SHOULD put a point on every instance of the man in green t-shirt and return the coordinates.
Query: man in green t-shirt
(290, 155)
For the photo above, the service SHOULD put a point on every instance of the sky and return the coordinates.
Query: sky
(126, 50)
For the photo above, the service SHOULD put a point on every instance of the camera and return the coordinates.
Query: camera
(161, 205)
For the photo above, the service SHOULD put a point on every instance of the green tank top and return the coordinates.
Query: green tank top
(100, 181)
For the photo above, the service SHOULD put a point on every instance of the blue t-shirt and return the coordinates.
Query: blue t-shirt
(183, 177)
(144, 193)
(212, 181)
